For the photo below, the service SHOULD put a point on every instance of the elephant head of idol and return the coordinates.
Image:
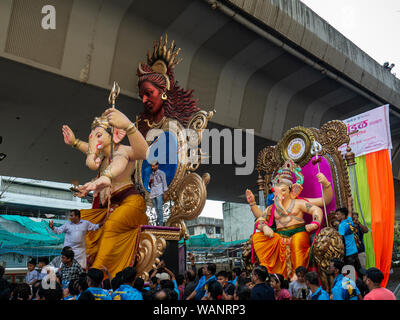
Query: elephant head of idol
(283, 185)
(100, 141)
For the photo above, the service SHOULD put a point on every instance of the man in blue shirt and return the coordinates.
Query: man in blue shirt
(94, 279)
(312, 282)
(346, 230)
(343, 288)
(209, 275)
(126, 290)
(271, 195)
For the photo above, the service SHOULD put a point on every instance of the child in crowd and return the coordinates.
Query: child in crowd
(42, 262)
(280, 286)
(298, 288)
(32, 275)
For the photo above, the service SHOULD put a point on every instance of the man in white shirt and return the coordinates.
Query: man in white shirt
(75, 233)
(158, 187)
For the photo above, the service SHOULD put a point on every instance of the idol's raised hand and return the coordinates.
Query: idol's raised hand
(68, 134)
(116, 118)
(250, 196)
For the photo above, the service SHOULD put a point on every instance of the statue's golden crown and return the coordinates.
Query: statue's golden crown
(285, 173)
(162, 58)
(100, 122)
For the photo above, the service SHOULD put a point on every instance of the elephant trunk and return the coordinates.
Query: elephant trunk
(93, 160)
(279, 205)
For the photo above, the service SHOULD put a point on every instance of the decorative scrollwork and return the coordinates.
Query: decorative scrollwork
(191, 196)
(267, 160)
(200, 119)
(150, 248)
(332, 135)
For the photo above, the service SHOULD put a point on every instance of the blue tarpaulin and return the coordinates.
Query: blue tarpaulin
(202, 241)
(28, 236)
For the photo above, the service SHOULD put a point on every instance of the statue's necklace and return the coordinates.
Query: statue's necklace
(289, 209)
(153, 124)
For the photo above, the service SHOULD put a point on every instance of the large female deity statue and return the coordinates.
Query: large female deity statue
(282, 237)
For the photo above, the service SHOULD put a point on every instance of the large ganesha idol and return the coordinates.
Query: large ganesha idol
(308, 184)
(282, 237)
(118, 206)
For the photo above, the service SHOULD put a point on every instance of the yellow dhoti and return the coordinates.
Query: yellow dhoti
(288, 249)
(114, 245)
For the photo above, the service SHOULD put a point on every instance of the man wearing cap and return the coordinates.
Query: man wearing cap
(163, 276)
(158, 187)
(373, 279)
(168, 276)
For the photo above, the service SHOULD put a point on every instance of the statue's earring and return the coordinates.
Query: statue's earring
(164, 96)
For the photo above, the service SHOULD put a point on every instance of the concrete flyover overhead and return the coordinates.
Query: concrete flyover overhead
(268, 65)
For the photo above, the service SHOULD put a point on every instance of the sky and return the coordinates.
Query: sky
(372, 25)
(212, 209)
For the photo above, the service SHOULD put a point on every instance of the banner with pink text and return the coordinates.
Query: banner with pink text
(372, 131)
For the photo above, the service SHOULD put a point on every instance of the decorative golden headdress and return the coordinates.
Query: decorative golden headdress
(160, 62)
(285, 174)
(101, 122)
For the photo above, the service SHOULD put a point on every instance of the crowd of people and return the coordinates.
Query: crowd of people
(66, 278)
(71, 282)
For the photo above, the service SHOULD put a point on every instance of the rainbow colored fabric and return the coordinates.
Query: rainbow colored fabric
(376, 192)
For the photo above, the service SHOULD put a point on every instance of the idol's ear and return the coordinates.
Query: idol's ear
(296, 190)
(119, 134)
